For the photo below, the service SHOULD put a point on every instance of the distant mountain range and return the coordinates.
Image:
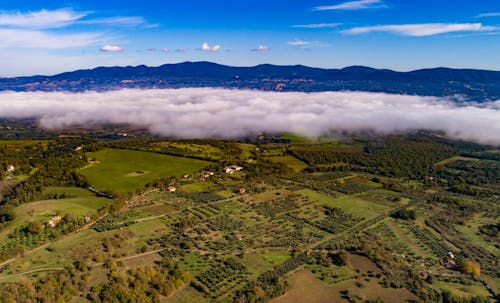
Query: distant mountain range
(476, 85)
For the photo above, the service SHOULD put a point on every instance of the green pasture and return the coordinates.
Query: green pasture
(124, 171)
(80, 202)
(21, 143)
(461, 290)
(471, 231)
(350, 204)
(289, 161)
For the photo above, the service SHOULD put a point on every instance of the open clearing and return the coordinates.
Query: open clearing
(460, 290)
(289, 161)
(453, 159)
(21, 143)
(471, 231)
(80, 202)
(186, 294)
(350, 204)
(119, 170)
(306, 288)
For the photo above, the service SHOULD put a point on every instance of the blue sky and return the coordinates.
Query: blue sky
(47, 37)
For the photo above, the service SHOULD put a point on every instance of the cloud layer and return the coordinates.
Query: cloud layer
(221, 113)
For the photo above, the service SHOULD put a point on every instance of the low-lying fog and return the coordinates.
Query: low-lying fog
(222, 113)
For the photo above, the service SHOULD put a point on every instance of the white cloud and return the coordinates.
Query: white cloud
(21, 38)
(116, 21)
(41, 29)
(420, 30)
(42, 19)
(46, 19)
(165, 50)
(494, 14)
(207, 48)
(353, 5)
(318, 25)
(306, 45)
(299, 42)
(261, 48)
(111, 48)
(209, 112)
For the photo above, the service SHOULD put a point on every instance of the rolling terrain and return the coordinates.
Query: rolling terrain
(302, 220)
(461, 84)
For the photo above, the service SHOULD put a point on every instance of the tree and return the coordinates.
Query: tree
(470, 267)
(341, 258)
(259, 292)
(405, 214)
(35, 227)
(68, 217)
(6, 213)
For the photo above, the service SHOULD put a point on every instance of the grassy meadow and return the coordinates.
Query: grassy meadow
(79, 202)
(125, 170)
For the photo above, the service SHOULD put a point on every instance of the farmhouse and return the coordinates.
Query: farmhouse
(54, 221)
(231, 169)
(208, 174)
(11, 169)
(448, 263)
(171, 189)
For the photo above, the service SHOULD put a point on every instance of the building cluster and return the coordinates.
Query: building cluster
(54, 221)
(232, 168)
(449, 262)
(208, 174)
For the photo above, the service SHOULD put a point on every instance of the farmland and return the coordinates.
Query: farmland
(318, 229)
(125, 170)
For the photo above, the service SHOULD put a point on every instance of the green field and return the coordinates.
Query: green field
(460, 290)
(197, 186)
(80, 203)
(246, 150)
(350, 204)
(453, 159)
(276, 257)
(471, 231)
(186, 294)
(289, 161)
(21, 143)
(124, 171)
(204, 151)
